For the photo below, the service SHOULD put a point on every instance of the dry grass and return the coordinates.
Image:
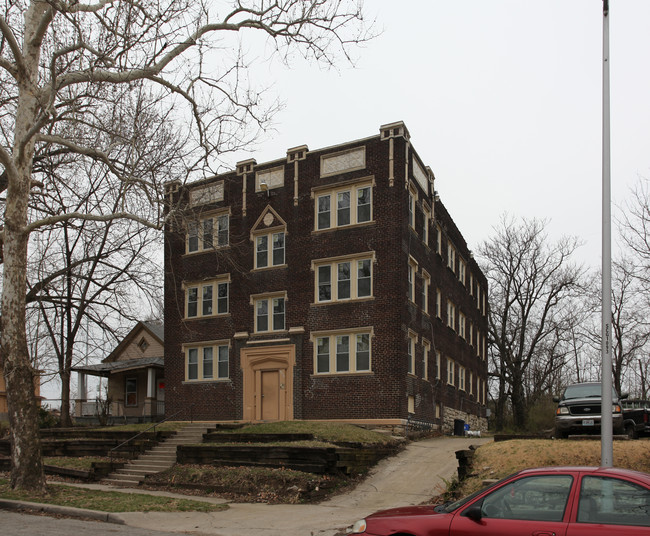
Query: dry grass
(498, 460)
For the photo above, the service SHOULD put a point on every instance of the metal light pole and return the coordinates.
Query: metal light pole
(606, 430)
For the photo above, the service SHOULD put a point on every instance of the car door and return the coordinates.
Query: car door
(610, 506)
(532, 505)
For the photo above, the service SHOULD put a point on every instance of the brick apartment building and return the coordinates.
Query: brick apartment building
(329, 284)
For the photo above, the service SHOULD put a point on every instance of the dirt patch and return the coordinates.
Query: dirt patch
(250, 484)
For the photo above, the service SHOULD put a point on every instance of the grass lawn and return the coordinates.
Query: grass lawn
(323, 431)
(500, 459)
(108, 501)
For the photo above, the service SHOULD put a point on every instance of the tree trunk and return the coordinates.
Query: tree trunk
(26, 463)
(518, 399)
(66, 419)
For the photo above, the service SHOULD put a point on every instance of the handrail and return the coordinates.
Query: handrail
(110, 452)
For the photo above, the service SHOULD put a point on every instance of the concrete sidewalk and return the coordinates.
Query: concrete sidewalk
(414, 476)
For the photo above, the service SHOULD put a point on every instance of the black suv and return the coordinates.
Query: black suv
(578, 410)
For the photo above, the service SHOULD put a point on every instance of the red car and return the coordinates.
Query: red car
(551, 501)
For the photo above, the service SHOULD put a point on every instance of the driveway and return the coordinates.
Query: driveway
(413, 476)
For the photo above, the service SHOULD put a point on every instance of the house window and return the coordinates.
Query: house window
(342, 353)
(461, 271)
(412, 270)
(425, 359)
(425, 226)
(438, 303)
(461, 378)
(450, 372)
(451, 257)
(411, 353)
(207, 362)
(411, 404)
(131, 392)
(461, 324)
(426, 282)
(471, 334)
(345, 206)
(438, 365)
(438, 240)
(471, 383)
(471, 284)
(206, 299)
(269, 314)
(208, 233)
(269, 250)
(342, 279)
(451, 315)
(143, 345)
(411, 209)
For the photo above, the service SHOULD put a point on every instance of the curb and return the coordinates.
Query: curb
(69, 511)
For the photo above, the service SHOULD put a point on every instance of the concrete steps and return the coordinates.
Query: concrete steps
(158, 458)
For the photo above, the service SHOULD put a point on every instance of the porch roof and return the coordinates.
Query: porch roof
(106, 369)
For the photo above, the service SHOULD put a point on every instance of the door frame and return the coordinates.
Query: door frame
(266, 358)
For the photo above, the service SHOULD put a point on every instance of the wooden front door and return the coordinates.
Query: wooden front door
(268, 382)
(270, 395)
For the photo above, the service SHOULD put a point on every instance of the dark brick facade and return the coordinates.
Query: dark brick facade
(387, 392)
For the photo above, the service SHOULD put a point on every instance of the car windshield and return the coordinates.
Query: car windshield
(449, 507)
(585, 391)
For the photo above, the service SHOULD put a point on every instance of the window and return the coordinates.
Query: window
(426, 282)
(451, 257)
(611, 501)
(206, 299)
(269, 250)
(411, 353)
(412, 209)
(412, 270)
(131, 392)
(461, 378)
(471, 383)
(208, 233)
(345, 278)
(450, 372)
(461, 271)
(438, 365)
(438, 240)
(207, 362)
(342, 353)
(411, 404)
(269, 313)
(534, 498)
(350, 205)
(438, 303)
(425, 225)
(425, 359)
(461, 324)
(471, 334)
(451, 315)
(471, 284)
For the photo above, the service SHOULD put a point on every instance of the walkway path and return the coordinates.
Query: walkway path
(414, 476)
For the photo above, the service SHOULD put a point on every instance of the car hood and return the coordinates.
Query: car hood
(402, 511)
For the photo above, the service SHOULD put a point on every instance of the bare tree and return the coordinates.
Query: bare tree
(62, 63)
(531, 286)
(630, 326)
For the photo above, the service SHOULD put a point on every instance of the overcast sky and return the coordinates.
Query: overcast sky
(502, 99)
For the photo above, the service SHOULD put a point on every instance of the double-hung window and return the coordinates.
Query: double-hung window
(343, 278)
(270, 250)
(451, 315)
(205, 362)
(207, 298)
(208, 233)
(410, 366)
(270, 313)
(343, 206)
(450, 372)
(342, 352)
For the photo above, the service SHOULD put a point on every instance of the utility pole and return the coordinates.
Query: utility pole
(606, 424)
